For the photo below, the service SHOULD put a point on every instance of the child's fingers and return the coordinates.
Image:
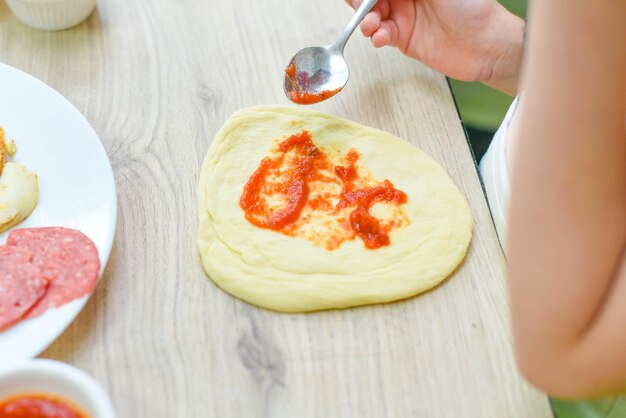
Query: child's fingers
(370, 24)
(387, 34)
(381, 38)
(383, 9)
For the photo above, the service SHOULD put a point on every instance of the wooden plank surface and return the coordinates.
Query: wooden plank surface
(157, 79)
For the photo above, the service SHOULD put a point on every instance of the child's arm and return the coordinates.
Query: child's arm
(567, 225)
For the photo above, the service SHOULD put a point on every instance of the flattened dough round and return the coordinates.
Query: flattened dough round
(288, 274)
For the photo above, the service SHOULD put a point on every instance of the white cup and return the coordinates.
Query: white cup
(57, 379)
(51, 14)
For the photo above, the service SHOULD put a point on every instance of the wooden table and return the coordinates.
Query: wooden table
(157, 79)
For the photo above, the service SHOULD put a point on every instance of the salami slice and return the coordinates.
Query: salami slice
(66, 255)
(22, 284)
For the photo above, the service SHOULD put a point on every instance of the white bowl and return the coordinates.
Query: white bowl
(57, 379)
(52, 14)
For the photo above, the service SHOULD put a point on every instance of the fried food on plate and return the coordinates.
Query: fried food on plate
(5, 149)
(18, 188)
(18, 195)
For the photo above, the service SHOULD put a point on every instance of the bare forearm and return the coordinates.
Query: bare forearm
(567, 236)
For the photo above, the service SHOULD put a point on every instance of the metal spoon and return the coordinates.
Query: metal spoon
(315, 74)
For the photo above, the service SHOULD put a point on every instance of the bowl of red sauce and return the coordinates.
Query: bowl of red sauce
(50, 389)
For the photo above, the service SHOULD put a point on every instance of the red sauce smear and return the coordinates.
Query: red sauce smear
(38, 406)
(301, 97)
(298, 162)
(291, 71)
(368, 227)
(297, 95)
(295, 188)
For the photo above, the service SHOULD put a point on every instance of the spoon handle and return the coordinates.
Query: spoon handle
(363, 9)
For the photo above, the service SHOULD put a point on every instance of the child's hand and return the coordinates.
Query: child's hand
(470, 40)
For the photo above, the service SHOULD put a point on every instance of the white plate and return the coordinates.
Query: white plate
(76, 189)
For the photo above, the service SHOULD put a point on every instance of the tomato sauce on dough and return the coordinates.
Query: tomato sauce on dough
(38, 406)
(299, 190)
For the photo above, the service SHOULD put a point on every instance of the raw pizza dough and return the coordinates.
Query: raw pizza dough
(290, 274)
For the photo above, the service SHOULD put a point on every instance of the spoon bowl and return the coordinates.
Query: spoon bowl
(315, 74)
(317, 69)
